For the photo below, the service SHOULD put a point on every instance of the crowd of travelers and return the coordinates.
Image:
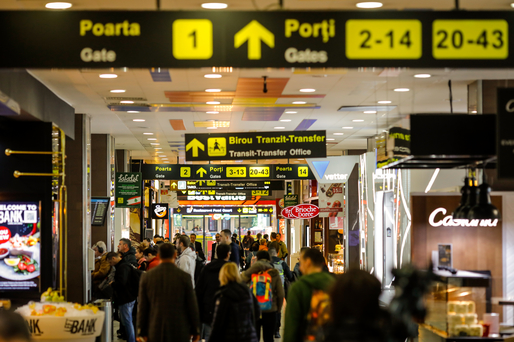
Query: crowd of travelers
(164, 291)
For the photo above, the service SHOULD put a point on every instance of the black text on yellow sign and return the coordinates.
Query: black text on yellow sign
(383, 39)
(192, 39)
(259, 172)
(470, 39)
(236, 172)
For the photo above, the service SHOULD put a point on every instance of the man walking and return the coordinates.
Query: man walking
(299, 297)
(124, 297)
(226, 238)
(285, 276)
(206, 287)
(198, 247)
(215, 246)
(167, 303)
(127, 251)
(186, 261)
(282, 248)
(151, 257)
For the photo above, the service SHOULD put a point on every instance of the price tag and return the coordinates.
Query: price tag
(192, 39)
(383, 39)
(259, 171)
(236, 171)
(470, 39)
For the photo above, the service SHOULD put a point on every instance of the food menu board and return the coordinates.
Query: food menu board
(20, 246)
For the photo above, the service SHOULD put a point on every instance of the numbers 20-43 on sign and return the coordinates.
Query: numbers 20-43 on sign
(259, 171)
(470, 39)
(383, 39)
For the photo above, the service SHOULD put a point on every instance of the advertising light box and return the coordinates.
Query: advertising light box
(20, 246)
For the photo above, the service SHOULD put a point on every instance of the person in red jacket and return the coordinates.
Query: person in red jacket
(152, 258)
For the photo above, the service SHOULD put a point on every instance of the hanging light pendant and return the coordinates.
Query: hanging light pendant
(472, 196)
(484, 209)
(457, 213)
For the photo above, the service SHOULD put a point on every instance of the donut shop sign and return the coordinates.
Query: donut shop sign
(437, 219)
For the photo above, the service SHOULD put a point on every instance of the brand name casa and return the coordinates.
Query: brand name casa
(83, 327)
(448, 221)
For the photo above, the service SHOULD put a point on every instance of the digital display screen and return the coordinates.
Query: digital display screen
(99, 207)
(20, 246)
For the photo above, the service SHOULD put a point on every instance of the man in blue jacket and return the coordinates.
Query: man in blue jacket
(226, 238)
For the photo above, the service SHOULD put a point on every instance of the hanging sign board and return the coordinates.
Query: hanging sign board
(176, 185)
(331, 199)
(301, 211)
(255, 39)
(128, 189)
(505, 134)
(256, 145)
(224, 172)
(160, 210)
(333, 169)
(290, 200)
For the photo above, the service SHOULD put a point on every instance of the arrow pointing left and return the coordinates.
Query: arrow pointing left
(195, 145)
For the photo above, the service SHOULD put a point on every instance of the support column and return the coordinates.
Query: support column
(78, 167)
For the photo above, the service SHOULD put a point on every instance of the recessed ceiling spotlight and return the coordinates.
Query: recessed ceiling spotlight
(347, 127)
(279, 127)
(212, 102)
(384, 102)
(213, 112)
(133, 111)
(285, 120)
(338, 133)
(369, 4)
(118, 91)
(127, 101)
(212, 127)
(214, 5)
(139, 120)
(156, 144)
(299, 102)
(370, 112)
(307, 90)
(212, 76)
(151, 139)
(212, 90)
(422, 75)
(512, 4)
(474, 111)
(108, 75)
(402, 90)
(58, 5)
(148, 133)
(291, 112)
(328, 139)
(357, 120)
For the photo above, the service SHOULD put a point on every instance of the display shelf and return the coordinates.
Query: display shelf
(444, 336)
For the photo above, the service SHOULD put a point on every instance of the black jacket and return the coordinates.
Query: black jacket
(199, 250)
(235, 315)
(121, 283)
(130, 256)
(207, 285)
(213, 251)
(234, 256)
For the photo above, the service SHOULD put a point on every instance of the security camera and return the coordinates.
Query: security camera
(265, 85)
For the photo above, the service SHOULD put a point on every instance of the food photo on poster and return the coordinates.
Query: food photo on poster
(331, 199)
(20, 246)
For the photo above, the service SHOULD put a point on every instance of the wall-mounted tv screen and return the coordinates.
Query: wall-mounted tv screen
(99, 208)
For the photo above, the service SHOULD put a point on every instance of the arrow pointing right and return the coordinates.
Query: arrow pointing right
(195, 145)
(254, 33)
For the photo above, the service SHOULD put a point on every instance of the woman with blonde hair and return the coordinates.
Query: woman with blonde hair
(236, 312)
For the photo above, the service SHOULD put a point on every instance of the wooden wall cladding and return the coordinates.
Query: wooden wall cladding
(474, 248)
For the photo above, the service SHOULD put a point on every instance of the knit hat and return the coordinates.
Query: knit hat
(101, 245)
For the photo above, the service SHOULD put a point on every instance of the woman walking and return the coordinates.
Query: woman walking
(236, 311)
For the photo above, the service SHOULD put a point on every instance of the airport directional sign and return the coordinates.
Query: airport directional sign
(256, 39)
(258, 188)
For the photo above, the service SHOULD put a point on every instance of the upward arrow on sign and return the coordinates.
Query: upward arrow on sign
(201, 171)
(254, 33)
(195, 145)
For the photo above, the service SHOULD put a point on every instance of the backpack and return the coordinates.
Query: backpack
(134, 279)
(318, 316)
(278, 266)
(261, 289)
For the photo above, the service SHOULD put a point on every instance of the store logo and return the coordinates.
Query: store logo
(84, 327)
(448, 221)
(160, 210)
(128, 178)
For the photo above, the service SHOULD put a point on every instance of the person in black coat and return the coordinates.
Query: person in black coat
(236, 311)
(128, 253)
(198, 247)
(215, 246)
(226, 238)
(207, 285)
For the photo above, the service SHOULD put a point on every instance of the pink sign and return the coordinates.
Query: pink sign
(305, 211)
(288, 213)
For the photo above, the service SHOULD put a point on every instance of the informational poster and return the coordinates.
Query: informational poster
(290, 200)
(169, 197)
(160, 210)
(128, 189)
(331, 199)
(336, 223)
(20, 246)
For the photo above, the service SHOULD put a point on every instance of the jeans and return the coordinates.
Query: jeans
(279, 322)
(267, 322)
(126, 319)
(206, 331)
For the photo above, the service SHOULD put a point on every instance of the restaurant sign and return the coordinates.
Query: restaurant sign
(435, 220)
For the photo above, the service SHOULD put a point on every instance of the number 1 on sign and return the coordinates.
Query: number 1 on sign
(192, 39)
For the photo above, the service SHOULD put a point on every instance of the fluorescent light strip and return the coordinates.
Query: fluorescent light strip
(432, 180)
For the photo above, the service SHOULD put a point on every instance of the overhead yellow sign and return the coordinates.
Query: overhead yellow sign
(470, 39)
(383, 39)
(254, 33)
(260, 172)
(192, 39)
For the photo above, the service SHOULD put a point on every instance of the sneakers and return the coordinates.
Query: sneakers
(277, 335)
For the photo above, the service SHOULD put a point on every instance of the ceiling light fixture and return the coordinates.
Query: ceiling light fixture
(299, 102)
(108, 75)
(285, 120)
(151, 139)
(291, 112)
(384, 102)
(133, 111)
(139, 120)
(347, 127)
(212, 90)
(279, 127)
(212, 127)
(338, 133)
(512, 4)
(148, 133)
(401, 90)
(307, 90)
(370, 112)
(118, 91)
(214, 5)
(329, 139)
(369, 4)
(357, 120)
(127, 101)
(156, 144)
(58, 5)
(212, 76)
(212, 102)
(158, 148)
(422, 75)
(213, 112)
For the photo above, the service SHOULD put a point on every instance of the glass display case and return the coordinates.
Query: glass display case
(456, 305)
(336, 262)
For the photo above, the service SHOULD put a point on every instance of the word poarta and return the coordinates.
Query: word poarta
(448, 221)
(301, 211)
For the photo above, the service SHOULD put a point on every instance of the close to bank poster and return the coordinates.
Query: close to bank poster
(20, 246)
